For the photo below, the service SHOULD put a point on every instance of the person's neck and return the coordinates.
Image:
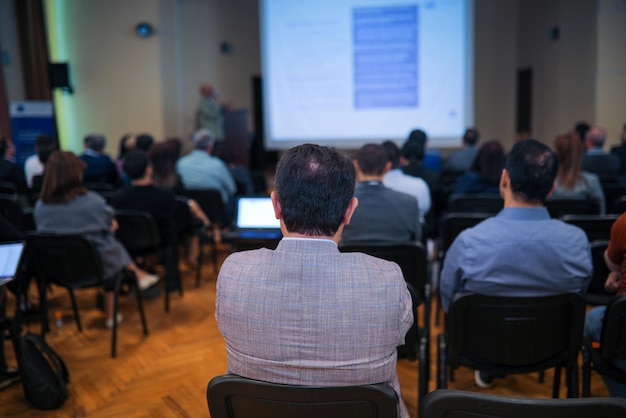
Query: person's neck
(513, 202)
(142, 182)
(366, 177)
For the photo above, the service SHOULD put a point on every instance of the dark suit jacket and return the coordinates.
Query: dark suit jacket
(158, 202)
(605, 166)
(383, 216)
(620, 152)
(12, 173)
(99, 169)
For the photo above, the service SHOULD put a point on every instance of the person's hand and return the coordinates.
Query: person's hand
(114, 225)
(612, 282)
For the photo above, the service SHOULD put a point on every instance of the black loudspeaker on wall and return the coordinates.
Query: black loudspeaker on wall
(59, 74)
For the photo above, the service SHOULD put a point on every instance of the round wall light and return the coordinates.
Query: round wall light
(144, 30)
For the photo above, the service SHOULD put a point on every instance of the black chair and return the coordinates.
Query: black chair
(620, 206)
(210, 200)
(11, 209)
(475, 203)
(612, 346)
(8, 188)
(231, 396)
(451, 225)
(413, 262)
(596, 293)
(72, 262)
(561, 207)
(597, 227)
(139, 234)
(186, 225)
(507, 335)
(613, 193)
(456, 403)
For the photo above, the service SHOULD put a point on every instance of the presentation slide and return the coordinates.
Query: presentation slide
(348, 72)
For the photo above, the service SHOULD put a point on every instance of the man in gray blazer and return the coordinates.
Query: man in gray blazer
(306, 314)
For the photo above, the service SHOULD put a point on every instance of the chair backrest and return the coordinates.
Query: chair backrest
(8, 188)
(596, 294)
(11, 209)
(137, 231)
(183, 219)
(560, 207)
(231, 396)
(613, 193)
(613, 336)
(457, 403)
(620, 206)
(68, 260)
(475, 203)
(597, 227)
(515, 333)
(453, 223)
(411, 258)
(210, 200)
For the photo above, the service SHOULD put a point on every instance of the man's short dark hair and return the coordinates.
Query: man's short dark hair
(95, 142)
(372, 159)
(471, 136)
(393, 153)
(314, 185)
(532, 168)
(44, 145)
(144, 142)
(135, 164)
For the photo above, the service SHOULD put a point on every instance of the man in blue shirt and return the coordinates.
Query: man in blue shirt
(200, 170)
(521, 251)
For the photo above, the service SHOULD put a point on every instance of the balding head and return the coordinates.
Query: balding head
(595, 137)
(206, 90)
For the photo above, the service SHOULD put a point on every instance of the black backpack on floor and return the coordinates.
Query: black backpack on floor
(44, 374)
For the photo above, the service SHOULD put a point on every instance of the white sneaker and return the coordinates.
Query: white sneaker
(147, 281)
(485, 384)
(109, 321)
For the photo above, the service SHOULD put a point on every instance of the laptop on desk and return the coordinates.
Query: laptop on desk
(11, 254)
(255, 219)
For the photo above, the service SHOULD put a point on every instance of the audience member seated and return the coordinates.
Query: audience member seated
(37, 182)
(521, 251)
(321, 317)
(571, 182)
(485, 171)
(9, 171)
(615, 282)
(163, 157)
(620, 152)
(199, 170)
(142, 195)
(240, 173)
(99, 166)
(598, 161)
(384, 216)
(66, 207)
(413, 152)
(459, 162)
(396, 180)
(580, 131)
(144, 142)
(33, 165)
(126, 145)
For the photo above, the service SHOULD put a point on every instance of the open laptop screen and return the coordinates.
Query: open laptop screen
(11, 254)
(255, 216)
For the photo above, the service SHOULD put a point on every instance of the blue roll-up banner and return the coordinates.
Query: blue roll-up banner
(29, 119)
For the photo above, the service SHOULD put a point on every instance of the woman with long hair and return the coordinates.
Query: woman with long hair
(65, 206)
(485, 171)
(571, 182)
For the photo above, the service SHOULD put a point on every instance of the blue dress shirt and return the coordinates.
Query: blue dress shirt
(519, 252)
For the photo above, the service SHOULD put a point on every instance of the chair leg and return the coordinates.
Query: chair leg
(441, 362)
(542, 376)
(116, 292)
(424, 365)
(75, 309)
(572, 382)
(43, 300)
(199, 263)
(586, 372)
(557, 382)
(427, 306)
(135, 284)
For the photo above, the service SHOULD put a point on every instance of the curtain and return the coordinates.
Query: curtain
(5, 124)
(33, 48)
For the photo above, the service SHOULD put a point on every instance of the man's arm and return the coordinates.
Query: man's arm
(452, 272)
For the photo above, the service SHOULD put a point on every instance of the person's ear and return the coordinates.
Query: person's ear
(277, 209)
(354, 202)
(387, 167)
(504, 179)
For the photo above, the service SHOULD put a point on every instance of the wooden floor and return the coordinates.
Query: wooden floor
(166, 373)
